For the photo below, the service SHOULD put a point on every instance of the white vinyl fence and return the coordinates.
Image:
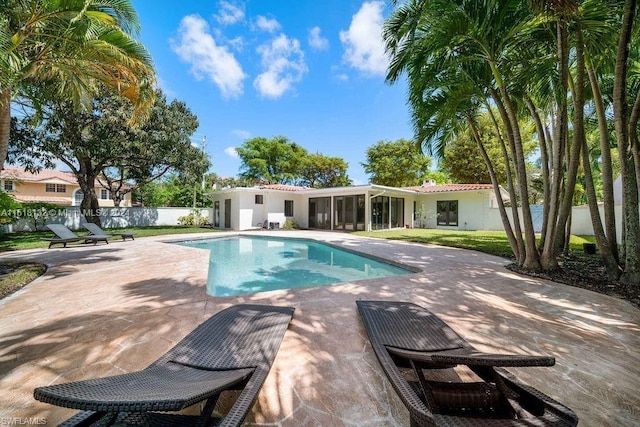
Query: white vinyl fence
(111, 217)
(580, 220)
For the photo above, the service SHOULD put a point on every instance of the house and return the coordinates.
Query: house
(51, 186)
(364, 207)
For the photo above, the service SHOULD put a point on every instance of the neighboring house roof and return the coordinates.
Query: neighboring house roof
(46, 176)
(45, 199)
(445, 188)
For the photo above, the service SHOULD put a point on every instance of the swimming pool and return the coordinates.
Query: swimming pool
(248, 264)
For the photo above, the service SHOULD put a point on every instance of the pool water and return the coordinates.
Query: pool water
(248, 264)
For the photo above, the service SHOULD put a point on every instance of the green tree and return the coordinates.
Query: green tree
(320, 171)
(220, 183)
(95, 144)
(398, 163)
(172, 191)
(60, 49)
(463, 161)
(276, 160)
(148, 151)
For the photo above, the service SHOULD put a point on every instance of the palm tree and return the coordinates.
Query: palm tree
(67, 47)
(471, 40)
(626, 135)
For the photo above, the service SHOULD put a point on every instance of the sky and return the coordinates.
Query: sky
(313, 71)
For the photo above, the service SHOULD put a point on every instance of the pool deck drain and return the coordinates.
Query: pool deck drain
(109, 309)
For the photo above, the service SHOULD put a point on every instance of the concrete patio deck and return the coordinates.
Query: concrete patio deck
(109, 309)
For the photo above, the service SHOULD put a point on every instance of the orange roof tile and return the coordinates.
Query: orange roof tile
(283, 187)
(21, 174)
(45, 199)
(444, 188)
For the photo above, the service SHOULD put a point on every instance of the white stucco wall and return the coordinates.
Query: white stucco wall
(109, 217)
(246, 214)
(473, 209)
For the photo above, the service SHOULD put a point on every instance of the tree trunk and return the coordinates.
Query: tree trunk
(548, 257)
(117, 199)
(633, 134)
(89, 207)
(532, 259)
(562, 236)
(610, 261)
(544, 154)
(606, 165)
(517, 230)
(496, 188)
(5, 123)
(621, 120)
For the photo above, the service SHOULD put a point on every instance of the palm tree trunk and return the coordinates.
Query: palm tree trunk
(633, 134)
(496, 189)
(631, 216)
(519, 253)
(544, 154)
(606, 165)
(532, 259)
(606, 252)
(562, 235)
(548, 257)
(511, 185)
(5, 123)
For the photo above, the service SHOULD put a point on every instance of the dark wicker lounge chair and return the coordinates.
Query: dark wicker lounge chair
(64, 236)
(97, 231)
(418, 353)
(233, 350)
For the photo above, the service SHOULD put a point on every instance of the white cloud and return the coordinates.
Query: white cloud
(316, 41)
(342, 77)
(364, 49)
(196, 46)
(267, 24)
(231, 152)
(241, 133)
(229, 13)
(284, 65)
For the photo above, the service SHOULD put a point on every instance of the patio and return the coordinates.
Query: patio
(108, 309)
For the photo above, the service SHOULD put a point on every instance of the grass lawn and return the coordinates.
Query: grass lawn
(14, 276)
(31, 240)
(491, 242)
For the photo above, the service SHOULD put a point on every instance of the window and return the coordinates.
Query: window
(104, 194)
(9, 185)
(259, 199)
(55, 188)
(387, 212)
(448, 212)
(288, 208)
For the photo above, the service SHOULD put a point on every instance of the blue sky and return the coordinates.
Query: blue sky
(310, 71)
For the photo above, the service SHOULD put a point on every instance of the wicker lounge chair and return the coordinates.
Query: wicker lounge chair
(97, 231)
(233, 350)
(418, 353)
(64, 236)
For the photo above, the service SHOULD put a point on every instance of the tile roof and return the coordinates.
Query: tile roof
(45, 199)
(444, 188)
(21, 174)
(282, 187)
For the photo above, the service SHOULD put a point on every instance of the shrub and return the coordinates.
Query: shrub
(290, 224)
(195, 218)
